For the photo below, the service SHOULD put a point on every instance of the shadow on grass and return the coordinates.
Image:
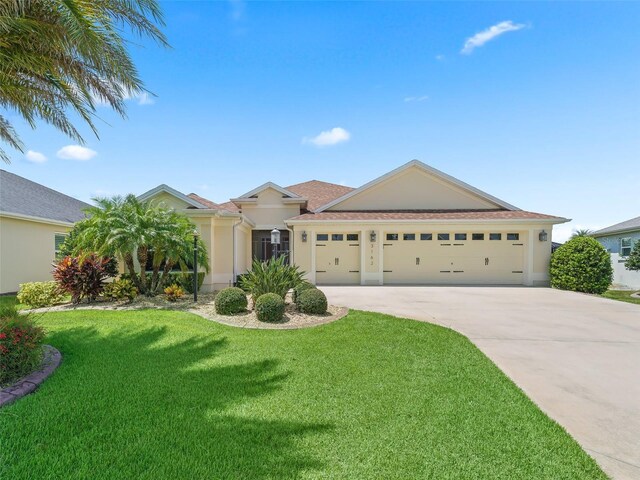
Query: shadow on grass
(135, 404)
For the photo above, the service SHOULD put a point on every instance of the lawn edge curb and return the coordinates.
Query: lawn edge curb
(50, 362)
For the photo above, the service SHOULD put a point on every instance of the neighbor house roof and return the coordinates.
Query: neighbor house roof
(426, 215)
(24, 198)
(626, 226)
(319, 193)
(203, 201)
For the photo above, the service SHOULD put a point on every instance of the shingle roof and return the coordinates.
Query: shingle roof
(230, 206)
(24, 197)
(319, 193)
(203, 201)
(426, 215)
(628, 225)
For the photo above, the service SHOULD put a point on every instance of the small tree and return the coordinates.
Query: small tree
(633, 261)
(582, 265)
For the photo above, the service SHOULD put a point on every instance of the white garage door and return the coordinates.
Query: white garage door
(338, 259)
(454, 258)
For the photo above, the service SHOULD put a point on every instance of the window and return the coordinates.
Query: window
(426, 236)
(460, 236)
(58, 240)
(625, 247)
(408, 236)
(337, 237)
(322, 237)
(495, 236)
(392, 236)
(513, 236)
(352, 237)
(443, 236)
(477, 236)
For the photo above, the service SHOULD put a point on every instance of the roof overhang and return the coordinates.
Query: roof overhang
(509, 221)
(171, 191)
(616, 232)
(266, 186)
(19, 216)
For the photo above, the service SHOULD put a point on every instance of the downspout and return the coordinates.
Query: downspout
(292, 240)
(233, 280)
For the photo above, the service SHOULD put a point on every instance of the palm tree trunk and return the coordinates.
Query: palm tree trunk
(142, 260)
(128, 261)
(165, 272)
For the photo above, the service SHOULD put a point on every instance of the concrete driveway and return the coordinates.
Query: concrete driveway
(576, 356)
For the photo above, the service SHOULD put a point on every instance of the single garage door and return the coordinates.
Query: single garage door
(338, 259)
(454, 258)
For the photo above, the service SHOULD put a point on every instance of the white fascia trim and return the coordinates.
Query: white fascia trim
(433, 171)
(264, 186)
(171, 191)
(19, 216)
(616, 232)
(549, 221)
(209, 212)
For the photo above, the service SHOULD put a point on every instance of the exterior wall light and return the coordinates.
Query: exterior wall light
(304, 236)
(372, 236)
(542, 236)
(275, 241)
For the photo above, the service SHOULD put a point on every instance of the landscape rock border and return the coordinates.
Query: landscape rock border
(26, 385)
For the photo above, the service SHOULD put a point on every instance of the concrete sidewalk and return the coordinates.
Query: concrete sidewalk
(576, 356)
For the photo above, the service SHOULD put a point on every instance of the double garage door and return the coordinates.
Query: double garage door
(426, 258)
(454, 258)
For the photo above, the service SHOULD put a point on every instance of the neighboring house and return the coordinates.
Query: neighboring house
(414, 225)
(34, 221)
(619, 240)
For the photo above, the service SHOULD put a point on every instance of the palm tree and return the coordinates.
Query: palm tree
(60, 55)
(582, 232)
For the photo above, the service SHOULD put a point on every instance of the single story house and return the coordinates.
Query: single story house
(413, 225)
(619, 240)
(34, 221)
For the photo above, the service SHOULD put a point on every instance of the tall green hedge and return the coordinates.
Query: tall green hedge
(581, 265)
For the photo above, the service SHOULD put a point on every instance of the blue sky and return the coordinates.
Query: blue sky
(542, 111)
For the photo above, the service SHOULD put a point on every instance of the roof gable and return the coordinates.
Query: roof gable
(266, 186)
(158, 192)
(20, 196)
(417, 186)
(319, 193)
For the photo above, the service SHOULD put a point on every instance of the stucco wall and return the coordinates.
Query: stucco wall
(27, 250)
(269, 211)
(169, 201)
(621, 276)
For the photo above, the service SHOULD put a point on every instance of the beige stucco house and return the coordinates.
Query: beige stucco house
(34, 221)
(413, 225)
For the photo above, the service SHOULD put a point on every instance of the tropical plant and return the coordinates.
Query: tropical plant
(129, 229)
(312, 301)
(40, 294)
(84, 277)
(583, 265)
(121, 289)
(20, 344)
(633, 261)
(174, 292)
(582, 232)
(269, 307)
(230, 300)
(273, 276)
(61, 56)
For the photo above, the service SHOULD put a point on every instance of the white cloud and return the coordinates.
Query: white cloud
(35, 157)
(76, 152)
(145, 99)
(440, 57)
(490, 33)
(416, 99)
(330, 137)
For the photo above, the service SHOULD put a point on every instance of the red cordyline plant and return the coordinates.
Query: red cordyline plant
(20, 345)
(84, 276)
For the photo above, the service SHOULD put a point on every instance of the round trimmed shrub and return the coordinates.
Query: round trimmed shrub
(269, 307)
(312, 301)
(581, 265)
(301, 287)
(230, 300)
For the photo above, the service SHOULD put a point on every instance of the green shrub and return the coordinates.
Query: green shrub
(301, 287)
(120, 290)
(84, 276)
(185, 280)
(40, 294)
(581, 265)
(230, 301)
(20, 345)
(312, 301)
(269, 307)
(174, 292)
(633, 262)
(274, 276)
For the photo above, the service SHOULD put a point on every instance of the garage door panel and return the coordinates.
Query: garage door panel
(338, 262)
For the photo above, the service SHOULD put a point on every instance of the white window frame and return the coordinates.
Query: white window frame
(623, 247)
(56, 251)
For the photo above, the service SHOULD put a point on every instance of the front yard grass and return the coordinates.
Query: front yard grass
(157, 394)
(11, 300)
(622, 295)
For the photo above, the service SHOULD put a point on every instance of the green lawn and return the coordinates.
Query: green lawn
(11, 300)
(157, 394)
(622, 295)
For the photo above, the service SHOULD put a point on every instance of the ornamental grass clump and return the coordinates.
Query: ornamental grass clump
(581, 265)
(230, 301)
(20, 345)
(269, 307)
(273, 276)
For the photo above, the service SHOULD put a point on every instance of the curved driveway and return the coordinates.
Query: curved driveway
(577, 356)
